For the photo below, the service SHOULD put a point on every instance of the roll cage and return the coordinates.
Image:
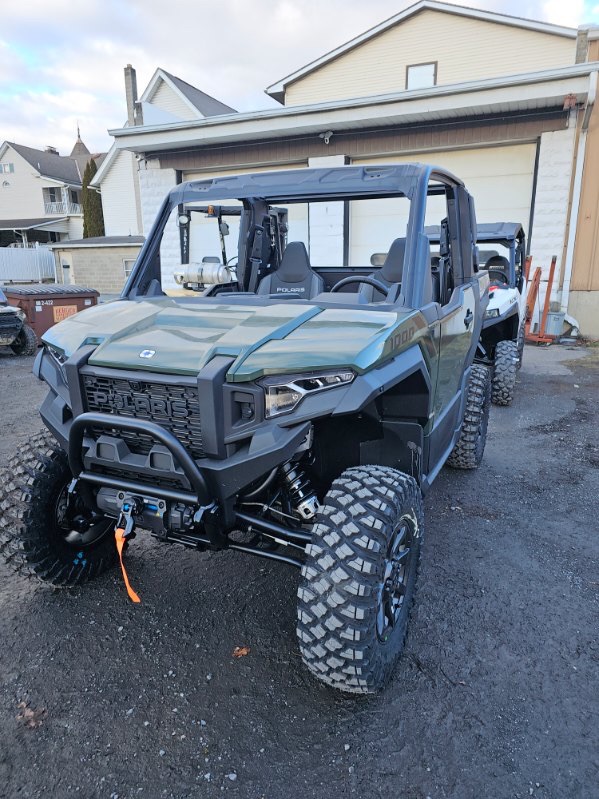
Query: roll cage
(260, 193)
(508, 234)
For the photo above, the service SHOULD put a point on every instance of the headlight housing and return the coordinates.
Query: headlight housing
(284, 393)
(59, 358)
(492, 313)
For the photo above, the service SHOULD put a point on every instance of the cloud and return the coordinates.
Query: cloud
(561, 13)
(66, 66)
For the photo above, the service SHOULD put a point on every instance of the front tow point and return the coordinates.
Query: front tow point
(124, 531)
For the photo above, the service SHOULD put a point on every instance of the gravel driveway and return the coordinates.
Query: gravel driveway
(497, 694)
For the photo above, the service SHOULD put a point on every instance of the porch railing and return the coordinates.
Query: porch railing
(62, 208)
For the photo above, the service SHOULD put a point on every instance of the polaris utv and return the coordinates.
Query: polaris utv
(502, 252)
(292, 411)
(14, 330)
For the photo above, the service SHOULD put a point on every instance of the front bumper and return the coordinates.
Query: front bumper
(236, 455)
(10, 327)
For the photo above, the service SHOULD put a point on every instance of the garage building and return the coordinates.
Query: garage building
(417, 87)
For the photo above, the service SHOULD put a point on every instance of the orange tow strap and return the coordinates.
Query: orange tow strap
(119, 535)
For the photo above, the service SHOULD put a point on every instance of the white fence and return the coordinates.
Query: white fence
(26, 264)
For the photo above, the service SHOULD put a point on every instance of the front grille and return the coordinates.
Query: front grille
(174, 407)
(9, 320)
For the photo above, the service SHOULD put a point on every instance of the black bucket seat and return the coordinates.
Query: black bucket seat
(389, 274)
(294, 275)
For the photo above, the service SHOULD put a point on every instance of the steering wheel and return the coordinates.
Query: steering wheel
(371, 281)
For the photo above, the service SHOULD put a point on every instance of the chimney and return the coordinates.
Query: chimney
(131, 93)
(582, 44)
(51, 150)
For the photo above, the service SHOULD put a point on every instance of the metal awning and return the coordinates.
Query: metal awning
(535, 91)
(57, 225)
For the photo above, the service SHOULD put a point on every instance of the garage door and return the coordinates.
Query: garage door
(204, 232)
(499, 178)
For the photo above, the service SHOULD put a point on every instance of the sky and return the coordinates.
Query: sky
(62, 63)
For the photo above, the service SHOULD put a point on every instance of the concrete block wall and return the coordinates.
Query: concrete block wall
(551, 203)
(154, 185)
(100, 268)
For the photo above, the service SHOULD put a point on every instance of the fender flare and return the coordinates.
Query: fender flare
(370, 385)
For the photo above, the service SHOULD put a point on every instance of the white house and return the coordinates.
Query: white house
(166, 100)
(40, 193)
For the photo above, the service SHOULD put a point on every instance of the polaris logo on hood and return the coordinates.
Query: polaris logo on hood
(147, 353)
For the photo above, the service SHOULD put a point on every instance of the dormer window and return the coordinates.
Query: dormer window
(421, 76)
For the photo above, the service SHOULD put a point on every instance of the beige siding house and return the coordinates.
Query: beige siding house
(461, 48)
(506, 103)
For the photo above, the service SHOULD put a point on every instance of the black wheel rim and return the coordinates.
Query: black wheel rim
(88, 530)
(396, 577)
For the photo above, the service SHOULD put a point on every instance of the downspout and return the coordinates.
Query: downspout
(565, 295)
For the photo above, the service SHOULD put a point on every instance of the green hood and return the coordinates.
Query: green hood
(263, 339)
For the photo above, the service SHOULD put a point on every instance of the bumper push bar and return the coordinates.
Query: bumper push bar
(199, 495)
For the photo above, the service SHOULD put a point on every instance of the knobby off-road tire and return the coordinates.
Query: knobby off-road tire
(358, 580)
(520, 344)
(504, 373)
(34, 535)
(470, 446)
(25, 343)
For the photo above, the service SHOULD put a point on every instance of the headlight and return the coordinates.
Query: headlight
(59, 358)
(492, 313)
(284, 394)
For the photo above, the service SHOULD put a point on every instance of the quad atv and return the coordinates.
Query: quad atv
(502, 249)
(289, 411)
(14, 330)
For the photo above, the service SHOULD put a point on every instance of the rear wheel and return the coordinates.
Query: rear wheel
(505, 371)
(25, 343)
(470, 446)
(358, 581)
(43, 531)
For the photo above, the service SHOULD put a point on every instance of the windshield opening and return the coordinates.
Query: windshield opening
(206, 245)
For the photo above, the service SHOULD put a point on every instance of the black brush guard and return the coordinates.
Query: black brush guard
(199, 495)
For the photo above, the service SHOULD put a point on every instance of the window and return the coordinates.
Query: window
(128, 265)
(421, 76)
(74, 196)
(7, 168)
(5, 184)
(53, 195)
(441, 224)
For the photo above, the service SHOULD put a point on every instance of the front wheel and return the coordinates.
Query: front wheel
(358, 580)
(43, 531)
(26, 342)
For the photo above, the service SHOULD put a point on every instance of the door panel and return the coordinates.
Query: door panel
(459, 333)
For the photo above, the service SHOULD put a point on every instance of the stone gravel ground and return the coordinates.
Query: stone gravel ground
(497, 694)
